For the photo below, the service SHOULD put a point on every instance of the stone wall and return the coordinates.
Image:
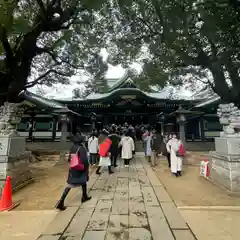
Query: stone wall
(225, 170)
(18, 169)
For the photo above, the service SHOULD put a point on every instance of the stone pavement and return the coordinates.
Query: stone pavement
(131, 204)
(24, 225)
(210, 224)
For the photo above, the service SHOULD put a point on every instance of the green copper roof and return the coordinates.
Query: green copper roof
(208, 101)
(118, 82)
(45, 103)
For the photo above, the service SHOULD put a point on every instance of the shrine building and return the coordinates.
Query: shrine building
(46, 120)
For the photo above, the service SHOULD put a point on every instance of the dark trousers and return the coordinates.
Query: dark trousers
(93, 158)
(169, 159)
(120, 151)
(67, 190)
(109, 170)
(126, 161)
(114, 159)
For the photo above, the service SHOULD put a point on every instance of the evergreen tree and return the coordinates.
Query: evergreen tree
(46, 42)
(179, 42)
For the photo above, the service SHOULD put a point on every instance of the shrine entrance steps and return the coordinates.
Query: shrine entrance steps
(129, 204)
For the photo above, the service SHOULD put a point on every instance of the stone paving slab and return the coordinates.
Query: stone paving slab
(173, 216)
(49, 237)
(162, 194)
(130, 204)
(61, 221)
(183, 235)
(77, 229)
(158, 224)
(90, 235)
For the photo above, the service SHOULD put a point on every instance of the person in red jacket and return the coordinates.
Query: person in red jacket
(104, 152)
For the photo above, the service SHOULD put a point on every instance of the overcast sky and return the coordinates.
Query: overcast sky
(65, 91)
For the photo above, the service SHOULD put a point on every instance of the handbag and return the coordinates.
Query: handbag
(75, 161)
(181, 151)
(105, 147)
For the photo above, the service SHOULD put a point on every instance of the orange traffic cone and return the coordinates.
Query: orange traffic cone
(6, 199)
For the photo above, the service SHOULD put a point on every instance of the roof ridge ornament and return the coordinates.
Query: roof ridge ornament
(128, 97)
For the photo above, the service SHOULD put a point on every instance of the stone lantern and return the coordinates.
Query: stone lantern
(161, 118)
(181, 118)
(64, 119)
(93, 120)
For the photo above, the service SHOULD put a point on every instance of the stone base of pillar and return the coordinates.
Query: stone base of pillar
(225, 163)
(14, 161)
(18, 169)
(225, 170)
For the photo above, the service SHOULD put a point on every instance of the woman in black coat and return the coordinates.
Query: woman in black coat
(76, 178)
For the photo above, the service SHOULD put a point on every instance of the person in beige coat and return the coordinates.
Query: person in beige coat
(128, 148)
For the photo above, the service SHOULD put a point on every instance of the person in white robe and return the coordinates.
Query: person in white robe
(176, 162)
(147, 138)
(128, 148)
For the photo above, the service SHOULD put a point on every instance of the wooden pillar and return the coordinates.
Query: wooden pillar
(150, 119)
(105, 119)
(54, 128)
(93, 121)
(201, 129)
(31, 126)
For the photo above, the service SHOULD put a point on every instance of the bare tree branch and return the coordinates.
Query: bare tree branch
(58, 60)
(40, 78)
(48, 51)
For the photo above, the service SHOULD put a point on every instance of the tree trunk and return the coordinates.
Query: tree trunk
(9, 95)
(12, 83)
(227, 93)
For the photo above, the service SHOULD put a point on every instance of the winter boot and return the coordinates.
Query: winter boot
(60, 203)
(110, 170)
(98, 171)
(179, 173)
(85, 197)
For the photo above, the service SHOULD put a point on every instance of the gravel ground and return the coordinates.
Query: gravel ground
(193, 190)
(44, 192)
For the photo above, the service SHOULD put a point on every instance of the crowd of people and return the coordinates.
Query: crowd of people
(102, 149)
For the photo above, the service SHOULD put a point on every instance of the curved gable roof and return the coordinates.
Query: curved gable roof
(126, 91)
(119, 82)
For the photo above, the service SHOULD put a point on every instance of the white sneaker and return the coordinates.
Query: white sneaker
(125, 165)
